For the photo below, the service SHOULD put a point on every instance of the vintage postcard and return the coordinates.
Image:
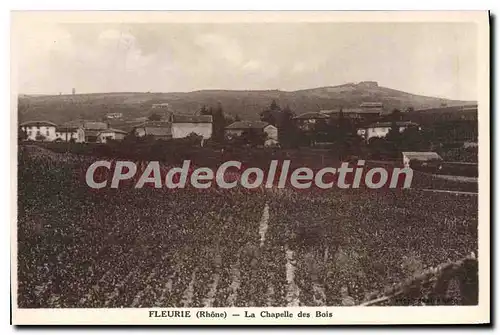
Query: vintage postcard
(250, 168)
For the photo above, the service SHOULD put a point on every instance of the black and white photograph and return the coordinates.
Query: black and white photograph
(250, 168)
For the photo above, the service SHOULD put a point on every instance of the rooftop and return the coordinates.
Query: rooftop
(38, 123)
(94, 125)
(311, 115)
(66, 129)
(248, 125)
(114, 130)
(177, 118)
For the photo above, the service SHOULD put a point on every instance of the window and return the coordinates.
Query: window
(47, 132)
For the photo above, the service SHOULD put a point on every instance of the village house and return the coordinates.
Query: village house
(381, 129)
(89, 132)
(111, 134)
(184, 125)
(176, 126)
(39, 130)
(92, 129)
(237, 129)
(70, 134)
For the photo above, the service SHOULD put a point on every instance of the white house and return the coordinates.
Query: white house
(381, 129)
(183, 125)
(39, 130)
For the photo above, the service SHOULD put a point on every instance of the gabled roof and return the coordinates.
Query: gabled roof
(94, 125)
(311, 116)
(38, 123)
(176, 118)
(248, 125)
(155, 124)
(114, 130)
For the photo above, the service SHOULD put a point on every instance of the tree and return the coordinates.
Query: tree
(194, 138)
(396, 115)
(272, 114)
(130, 137)
(287, 130)
(154, 117)
(343, 133)
(394, 135)
(237, 118)
(219, 123)
(412, 139)
(22, 135)
(253, 137)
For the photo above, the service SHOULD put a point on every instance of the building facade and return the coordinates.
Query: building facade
(184, 125)
(159, 130)
(111, 134)
(39, 130)
(70, 134)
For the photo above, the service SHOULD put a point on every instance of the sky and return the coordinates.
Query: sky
(435, 59)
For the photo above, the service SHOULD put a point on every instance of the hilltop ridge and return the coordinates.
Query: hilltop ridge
(245, 103)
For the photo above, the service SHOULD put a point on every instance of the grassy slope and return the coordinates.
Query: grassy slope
(245, 103)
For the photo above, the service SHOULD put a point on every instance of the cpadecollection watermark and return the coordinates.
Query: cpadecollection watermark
(232, 174)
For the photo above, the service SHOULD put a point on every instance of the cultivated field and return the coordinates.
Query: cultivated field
(144, 247)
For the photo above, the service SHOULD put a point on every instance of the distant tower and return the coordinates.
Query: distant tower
(73, 91)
